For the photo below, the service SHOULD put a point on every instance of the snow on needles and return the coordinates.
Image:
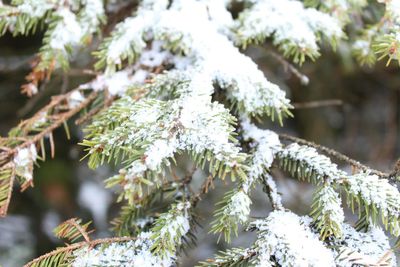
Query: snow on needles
(370, 247)
(207, 51)
(379, 196)
(140, 252)
(289, 239)
(68, 31)
(265, 143)
(313, 162)
(124, 254)
(289, 23)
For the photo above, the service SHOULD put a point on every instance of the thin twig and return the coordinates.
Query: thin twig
(83, 232)
(289, 67)
(318, 104)
(335, 154)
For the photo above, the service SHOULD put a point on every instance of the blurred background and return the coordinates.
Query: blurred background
(355, 110)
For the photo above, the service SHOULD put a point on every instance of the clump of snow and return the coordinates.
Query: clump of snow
(116, 83)
(288, 22)
(41, 119)
(128, 37)
(75, 99)
(159, 151)
(363, 47)
(68, 31)
(289, 239)
(23, 160)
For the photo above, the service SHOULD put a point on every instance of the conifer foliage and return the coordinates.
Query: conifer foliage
(171, 78)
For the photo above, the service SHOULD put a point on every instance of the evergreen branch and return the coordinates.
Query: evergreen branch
(333, 153)
(63, 255)
(387, 45)
(288, 239)
(170, 228)
(327, 213)
(59, 120)
(305, 163)
(234, 208)
(376, 198)
(141, 216)
(252, 27)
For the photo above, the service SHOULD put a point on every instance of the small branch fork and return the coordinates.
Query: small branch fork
(60, 120)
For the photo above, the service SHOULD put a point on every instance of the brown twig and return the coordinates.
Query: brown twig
(57, 123)
(318, 104)
(334, 153)
(209, 182)
(83, 232)
(289, 67)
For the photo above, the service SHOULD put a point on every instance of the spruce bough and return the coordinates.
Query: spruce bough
(171, 79)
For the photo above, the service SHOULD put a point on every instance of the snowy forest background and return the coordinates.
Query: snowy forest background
(353, 109)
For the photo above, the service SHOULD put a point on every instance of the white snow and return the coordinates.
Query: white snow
(123, 254)
(35, 8)
(288, 22)
(67, 32)
(116, 83)
(23, 160)
(289, 238)
(75, 99)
